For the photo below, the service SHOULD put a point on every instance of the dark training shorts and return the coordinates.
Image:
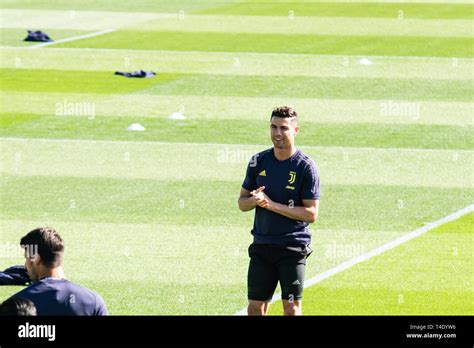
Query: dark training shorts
(270, 264)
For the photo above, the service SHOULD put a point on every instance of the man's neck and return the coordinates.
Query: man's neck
(284, 154)
(56, 272)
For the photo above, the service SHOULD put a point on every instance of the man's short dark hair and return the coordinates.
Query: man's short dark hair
(47, 243)
(17, 306)
(285, 112)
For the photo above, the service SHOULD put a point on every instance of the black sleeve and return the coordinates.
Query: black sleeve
(250, 181)
(311, 187)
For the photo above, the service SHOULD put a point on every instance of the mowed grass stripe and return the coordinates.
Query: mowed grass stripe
(272, 43)
(311, 25)
(346, 9)
(100, 20)
(378, 9)
(49, 20)
(236, 132)
(125, 160)
(74, 81)
(145, 6)
(213, 202)
(226, 108)
(256, 64)
(26, 80)
(438, 283)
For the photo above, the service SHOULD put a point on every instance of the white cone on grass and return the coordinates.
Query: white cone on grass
(176, 116)
(364, 61)
(137, 127)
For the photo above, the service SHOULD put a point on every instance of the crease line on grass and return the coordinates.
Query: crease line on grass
(264, 146)
(74, 38)
(377, 251)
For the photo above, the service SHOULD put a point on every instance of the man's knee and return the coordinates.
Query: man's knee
(257, 308)
(292, 308)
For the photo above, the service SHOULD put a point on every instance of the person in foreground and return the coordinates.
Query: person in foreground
(282, 185)
(51, 292)
(17, 306)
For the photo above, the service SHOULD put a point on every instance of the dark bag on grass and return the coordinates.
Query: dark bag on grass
(139, 73)
(37, 36)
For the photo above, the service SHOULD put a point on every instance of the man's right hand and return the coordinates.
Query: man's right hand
(260, 198)
(248, 200)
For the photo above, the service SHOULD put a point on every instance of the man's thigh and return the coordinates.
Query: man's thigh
(262, 276)
(291, 273)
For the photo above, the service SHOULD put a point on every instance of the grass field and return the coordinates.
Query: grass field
(150, 218)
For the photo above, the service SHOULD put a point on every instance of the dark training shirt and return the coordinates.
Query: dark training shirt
(287, 182)
(61, 297)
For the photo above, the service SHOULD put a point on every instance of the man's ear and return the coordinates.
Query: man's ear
(37, 259)
(297, 129)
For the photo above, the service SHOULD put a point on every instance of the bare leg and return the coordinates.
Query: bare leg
(294, 307)
(258, 307)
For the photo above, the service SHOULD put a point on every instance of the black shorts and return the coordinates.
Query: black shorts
(270, 264)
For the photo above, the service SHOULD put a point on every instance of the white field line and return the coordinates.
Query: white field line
(74, 38)
(377, 251)
(263, 146)
(226, 24)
